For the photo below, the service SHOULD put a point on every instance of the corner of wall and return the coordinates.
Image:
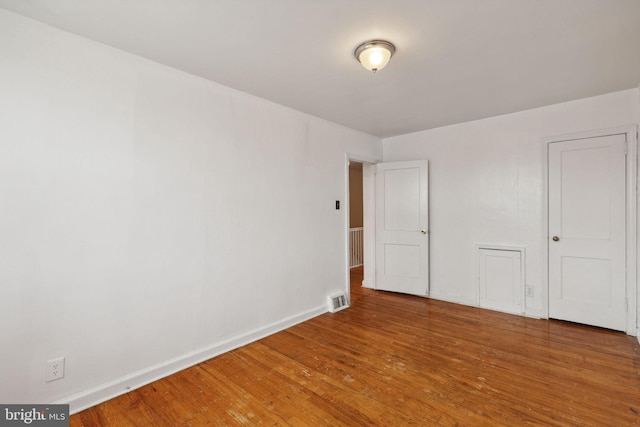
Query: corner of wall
(88, 398)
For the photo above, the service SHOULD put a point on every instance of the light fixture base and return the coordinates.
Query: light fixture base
(374, 55)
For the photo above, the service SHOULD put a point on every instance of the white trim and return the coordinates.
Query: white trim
(88, 398)
(453, 298)
(631, 132)
(544, 235)
(347, 219)
(369, 223)
(632, 220)
(362, 159)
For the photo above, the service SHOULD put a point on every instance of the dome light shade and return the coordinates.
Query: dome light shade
(374, 55)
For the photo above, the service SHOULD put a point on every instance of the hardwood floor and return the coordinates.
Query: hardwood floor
(394, 360)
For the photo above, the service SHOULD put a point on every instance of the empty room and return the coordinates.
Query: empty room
(319, 213)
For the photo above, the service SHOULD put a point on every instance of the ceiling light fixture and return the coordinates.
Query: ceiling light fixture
(374, 55)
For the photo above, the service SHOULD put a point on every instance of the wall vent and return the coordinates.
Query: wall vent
(337, 302)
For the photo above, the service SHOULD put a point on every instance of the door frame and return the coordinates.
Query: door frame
(631, 132)
(368, 213)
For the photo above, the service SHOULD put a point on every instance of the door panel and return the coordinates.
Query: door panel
(577, 271)
(402, 260)
(402, 199)
(402, 250)
(500, 280)
(586, 196)
(587, 231)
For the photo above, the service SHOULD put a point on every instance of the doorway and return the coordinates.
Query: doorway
(364, 205)
(356, 227)
(356, 239)
(393, 196)
(591, 228)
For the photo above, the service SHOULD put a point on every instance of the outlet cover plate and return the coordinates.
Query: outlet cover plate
(55, 369)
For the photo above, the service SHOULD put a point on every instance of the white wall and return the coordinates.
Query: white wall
(486, 185)
(149, 218)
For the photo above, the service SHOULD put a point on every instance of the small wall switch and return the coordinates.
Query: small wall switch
(337, 204)
(55, 369)
(529, 291)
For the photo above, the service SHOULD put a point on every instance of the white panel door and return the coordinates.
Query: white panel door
(500, 277)
(402, 237)
(587, 231)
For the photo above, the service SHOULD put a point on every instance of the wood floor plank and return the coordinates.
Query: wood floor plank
(394, 360)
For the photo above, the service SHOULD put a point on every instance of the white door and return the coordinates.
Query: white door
(500, 279)
(402, 237)
(587, 231)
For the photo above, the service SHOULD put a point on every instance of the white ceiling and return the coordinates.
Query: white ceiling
(456, 60)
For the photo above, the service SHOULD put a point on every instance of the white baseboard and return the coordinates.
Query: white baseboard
(471, 302)
(91, 397)
(534, 313)
(456, 299)
(366, 284)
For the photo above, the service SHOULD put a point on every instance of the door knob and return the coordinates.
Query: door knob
(555, 238)
(423, 231)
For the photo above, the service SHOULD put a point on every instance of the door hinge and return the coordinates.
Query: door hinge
(626, 148)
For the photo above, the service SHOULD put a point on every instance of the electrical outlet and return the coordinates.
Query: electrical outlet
(529, 291)
(55, 369)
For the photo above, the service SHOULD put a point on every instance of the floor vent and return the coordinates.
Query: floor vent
(337, 302)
